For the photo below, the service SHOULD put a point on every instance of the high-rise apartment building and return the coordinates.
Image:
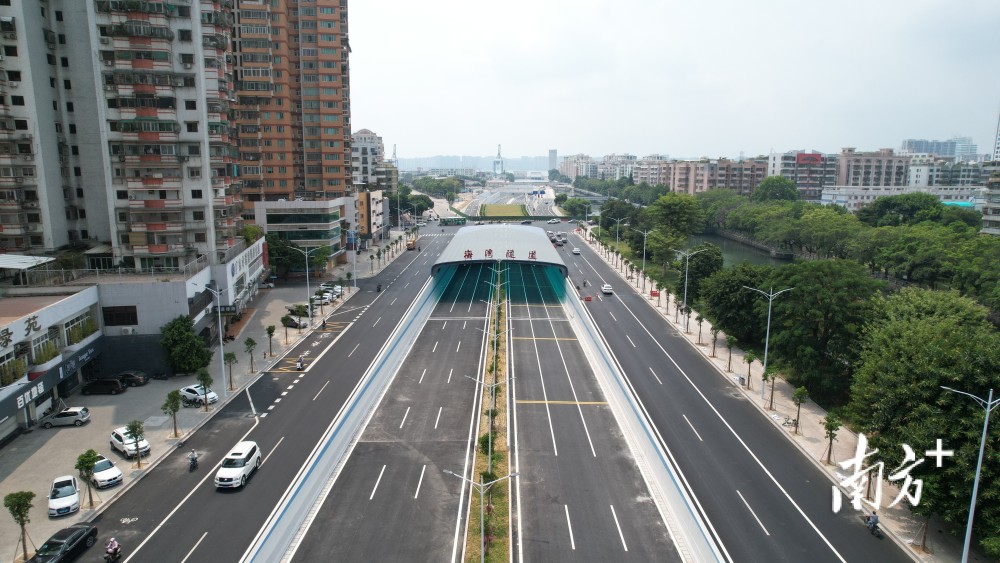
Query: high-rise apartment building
(553, 159)
(367, 154)
(694, 176)
(879, 168)
(810, 170)
(996, 142)
(959, 148)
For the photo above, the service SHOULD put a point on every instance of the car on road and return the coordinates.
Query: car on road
(606, 289)
(72, 416)
(64, 497)
(105, 386)
(66, 544)
(553, 221)
(132, 377)
(197, 394)
(576, 251)
(421, 224)
(122, 442)
(106, 474)
(526, 222)
(238, 464)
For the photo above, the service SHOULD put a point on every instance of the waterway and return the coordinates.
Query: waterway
(734, 252)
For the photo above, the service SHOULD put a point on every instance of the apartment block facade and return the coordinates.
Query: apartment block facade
(810, 170)
(878, 168)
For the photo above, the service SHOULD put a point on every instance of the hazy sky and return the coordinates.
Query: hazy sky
(686, 78)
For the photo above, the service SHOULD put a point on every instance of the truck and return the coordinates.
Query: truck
(411, 243)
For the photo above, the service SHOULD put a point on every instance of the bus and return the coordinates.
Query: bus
(446, 221)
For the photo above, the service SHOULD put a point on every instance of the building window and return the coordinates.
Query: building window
(196, 194)
(192, 126)
(190, 104)
(67, 85)
(120, 316)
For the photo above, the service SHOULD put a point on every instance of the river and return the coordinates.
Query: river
(734, 253)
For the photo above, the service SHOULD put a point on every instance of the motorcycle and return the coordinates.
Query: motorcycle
(112, 554)
(192, 463)
(190, 402)
(873, 528)
(378, 288)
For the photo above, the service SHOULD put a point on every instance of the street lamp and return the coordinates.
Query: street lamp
(218, 315)
(767, 335)
(644, 235)
(482, 488)
(306, 253)
(687, 262)
(988, 405)
(492, 387)
(618, 223)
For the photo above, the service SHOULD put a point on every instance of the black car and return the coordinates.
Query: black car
(291, 322)
(66, 544)
(132, 377)
(105, 386)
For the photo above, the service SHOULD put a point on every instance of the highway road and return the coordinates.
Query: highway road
(764, 500)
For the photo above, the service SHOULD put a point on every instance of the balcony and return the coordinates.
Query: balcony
(159, 226)
(155, 203)
(162, 248)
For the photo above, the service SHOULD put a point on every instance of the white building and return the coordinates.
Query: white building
(855, 197)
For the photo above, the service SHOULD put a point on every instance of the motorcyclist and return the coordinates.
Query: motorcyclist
(113, 548)
(872, 521)
(378, 288)
(324, 324)
(193, 458)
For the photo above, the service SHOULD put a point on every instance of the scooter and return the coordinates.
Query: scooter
(112, 554)
(378, 288)
(190, 402)
(873, 529)
(192, 463)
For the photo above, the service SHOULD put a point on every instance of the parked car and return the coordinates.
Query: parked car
(606, 288)
(238, 464)
(133, 377)
(576, 251)
(197, 394)
(106, 474)
(292, 322)
(322, 299)
(72, 416)
(105, 386)
(122, 442)
(64, 497)
(66, 544)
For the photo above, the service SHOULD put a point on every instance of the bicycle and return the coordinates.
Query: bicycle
(789, 421)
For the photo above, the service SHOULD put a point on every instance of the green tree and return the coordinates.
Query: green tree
(730, 342)
(815, 328)
(270, 339)
(250, 345)
(85, 463)
(675, 213)
(134, 431)
(283, 255)
(185, 350)
(917, 341)
(700, 267)
(831, 425)
(715, 338)
(171, 406)
(229, 358)
(901, 209)
(716, 204)
(799, 396)
(749, 357)
(731, 307)
(450, 197)
(19, 505)
(775, 188)
(205, 380)
(285, 321)
(561, 199)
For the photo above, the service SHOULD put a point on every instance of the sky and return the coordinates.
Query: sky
(686, 78)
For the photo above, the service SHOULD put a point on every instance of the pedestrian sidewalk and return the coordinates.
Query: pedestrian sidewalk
(901, 525)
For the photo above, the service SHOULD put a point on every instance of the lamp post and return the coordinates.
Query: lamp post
(218, 315)
(687, 262)
(482, 488)
(988, 405)
(767, 335)
(644, 235)
(618, 223)
(492, 387)
(306, 253)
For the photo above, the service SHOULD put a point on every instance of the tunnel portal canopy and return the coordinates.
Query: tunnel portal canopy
(508, 243)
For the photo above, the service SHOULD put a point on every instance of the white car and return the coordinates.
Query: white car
(323, 299)
(238, 464)
(576, 251)
(196, 393)
(606, 289)
(121, 441)
(553, 221)
(64, 498)
(105, 473)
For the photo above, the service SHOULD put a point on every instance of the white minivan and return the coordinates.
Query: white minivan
(238, 464)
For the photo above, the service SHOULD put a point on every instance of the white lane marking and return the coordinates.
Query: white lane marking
(463, 324)
(459, 347)
(654, 375)
(612, 316)
(290, 387)
(438, 418)
(754, 514)
(376, 322)
(402, 422)
(444, 325)
(407, 285)
(268, 456)
(619, 526)
(321, 389)
(421, 480)
(435, 347)
(270, 407)
(630, 340)
(354, 349)
(278, 400)
(422, 376)
(449, 374)
(194, 547)
(377, 481)
(569, 526)
(692, 427)
(283, 393)
(253, 409)
(393, 302)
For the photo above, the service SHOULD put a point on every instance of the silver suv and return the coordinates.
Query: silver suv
(239, 464)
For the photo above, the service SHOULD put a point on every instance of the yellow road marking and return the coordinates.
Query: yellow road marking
(524, 402)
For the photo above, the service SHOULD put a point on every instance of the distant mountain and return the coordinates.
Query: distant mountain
(484, 163)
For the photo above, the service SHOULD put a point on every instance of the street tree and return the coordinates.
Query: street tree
(134, 431)
(285, 321)
(205, 380)
(229, 358)
(775, 188)
(85, 463)
(19, 505)
(729, 306)
(675, 213)
(250, 345)
(270, 339)
(799, 396)
(918, 341)
(831, 425)
(730, 342)
(185, 350)
(699, 267)
(749, 357)
(171, 406)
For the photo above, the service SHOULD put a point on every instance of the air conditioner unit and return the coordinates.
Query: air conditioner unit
(128, 330)
(187, 65)
(28, 157)
(10, 35)
(13, 84)
(26, 136)
(109, 63)
(109, 88)
(121, 158)
(182, 158)
(18, 179)
(105, 40)
(131, 196)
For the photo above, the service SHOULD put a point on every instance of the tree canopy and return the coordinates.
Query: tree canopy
(185, 350)
(775, 188)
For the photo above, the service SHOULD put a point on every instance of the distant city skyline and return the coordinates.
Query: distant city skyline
(680, 78)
